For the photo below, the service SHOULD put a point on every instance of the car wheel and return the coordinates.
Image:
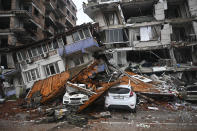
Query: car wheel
(134, 110)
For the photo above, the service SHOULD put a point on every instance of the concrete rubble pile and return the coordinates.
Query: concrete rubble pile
(95, 85)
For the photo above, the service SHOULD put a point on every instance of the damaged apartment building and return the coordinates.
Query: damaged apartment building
(149, 35)
(69, 51)
(23, 22)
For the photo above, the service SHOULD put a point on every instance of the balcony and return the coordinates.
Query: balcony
(50, 5)
(4, 32)
(6, 13)
(61, 22)
(61, 11)
(39, 6)
(18, 30)
(50, 18)
(22, 13)
(49, 30)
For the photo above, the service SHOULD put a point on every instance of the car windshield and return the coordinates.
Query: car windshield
(74, 93)
(119, 90)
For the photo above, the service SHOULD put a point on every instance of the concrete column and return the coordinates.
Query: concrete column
(121, 14)
(194, 55)
(131, 38)
(12, 22)
(115, 58)
(13, 4)
(171, 50)
(160, 7)
(11, 40)
(17, 87)
(61, 66)
(124, 57)
(0, 62)
(195, 27)
(42, 72)
(10, 61)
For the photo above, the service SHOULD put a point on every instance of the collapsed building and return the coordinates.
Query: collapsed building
(23, 22)
(69, 51)
(150, 35)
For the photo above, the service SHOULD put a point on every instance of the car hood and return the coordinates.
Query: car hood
(75, 95)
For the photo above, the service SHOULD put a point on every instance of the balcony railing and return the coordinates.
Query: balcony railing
(50, 30)
(51, 3)
(61, 21)
(51, 17)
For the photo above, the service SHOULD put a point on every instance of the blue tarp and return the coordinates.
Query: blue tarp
(78, 46)
(2, 77)
(101, 68)
(10, 93)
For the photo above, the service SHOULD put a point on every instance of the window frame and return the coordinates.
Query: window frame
(60, 42)
(29, 51)
(110, 35)
(80, 59)
(42, 46)
(52, 45)
(56, 68)
(29, 76)
(35, 50)
(19, 56)
(78, 33)
(88, 29)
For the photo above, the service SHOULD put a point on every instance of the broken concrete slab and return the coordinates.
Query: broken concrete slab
(106, 114)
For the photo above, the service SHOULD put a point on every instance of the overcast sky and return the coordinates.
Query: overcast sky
(81, 16)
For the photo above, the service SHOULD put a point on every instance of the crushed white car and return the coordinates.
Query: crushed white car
(74, 97)
(121, 97)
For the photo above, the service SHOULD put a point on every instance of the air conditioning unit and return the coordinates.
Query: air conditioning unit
(45, 55)
(29, 61)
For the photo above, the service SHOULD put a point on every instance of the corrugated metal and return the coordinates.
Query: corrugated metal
(50, 88)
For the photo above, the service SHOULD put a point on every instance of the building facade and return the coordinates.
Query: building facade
(158, 34)
(25, 22)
